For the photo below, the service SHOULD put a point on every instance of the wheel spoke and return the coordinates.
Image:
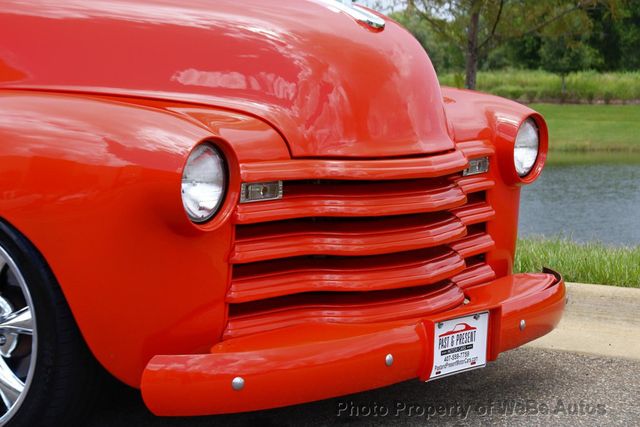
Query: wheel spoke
(20, 322)
(10, 386)
(17, 320)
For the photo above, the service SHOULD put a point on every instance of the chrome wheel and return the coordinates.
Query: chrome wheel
(18, 337)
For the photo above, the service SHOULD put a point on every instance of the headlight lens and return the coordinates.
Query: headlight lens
(203, 183)
(525, 152)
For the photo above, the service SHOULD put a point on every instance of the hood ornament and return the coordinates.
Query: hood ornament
(357, 12)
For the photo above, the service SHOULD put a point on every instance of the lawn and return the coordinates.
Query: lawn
(580, 262)
(536, 85)
(592, 128)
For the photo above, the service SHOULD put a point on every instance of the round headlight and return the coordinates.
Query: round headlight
(525, 151)
(203, 183)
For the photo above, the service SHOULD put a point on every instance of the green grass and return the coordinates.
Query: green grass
(592, 128)
(568, 158)
(533, 85)
(575, 128)
(580, 262)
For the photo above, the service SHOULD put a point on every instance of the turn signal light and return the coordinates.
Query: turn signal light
(260, 191)
(477, 166)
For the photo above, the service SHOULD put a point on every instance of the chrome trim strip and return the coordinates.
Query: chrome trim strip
(357, 12)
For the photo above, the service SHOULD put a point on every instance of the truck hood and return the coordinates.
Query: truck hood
(332, 86)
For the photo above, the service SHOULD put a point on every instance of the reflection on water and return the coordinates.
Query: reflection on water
(585, 202)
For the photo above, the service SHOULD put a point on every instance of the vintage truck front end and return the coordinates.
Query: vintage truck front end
(364, 216)
(343, 281)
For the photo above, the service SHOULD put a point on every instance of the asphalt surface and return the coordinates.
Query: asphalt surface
(527, 386)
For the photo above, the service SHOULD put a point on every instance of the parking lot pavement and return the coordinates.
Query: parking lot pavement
(523, 387)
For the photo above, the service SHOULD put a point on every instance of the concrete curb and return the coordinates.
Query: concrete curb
(598, 319)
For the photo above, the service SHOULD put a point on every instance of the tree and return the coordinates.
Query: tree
(477, 27)
(563, 55)
(627, 28)
(605, 38)
(520, 53)
(443, 55)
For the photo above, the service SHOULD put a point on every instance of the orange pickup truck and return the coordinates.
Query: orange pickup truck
(242, 205)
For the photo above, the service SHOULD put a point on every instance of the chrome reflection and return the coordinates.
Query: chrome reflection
(356, 12)
(18, 338)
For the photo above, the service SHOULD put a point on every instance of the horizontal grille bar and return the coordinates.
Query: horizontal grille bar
(344, 237)
(475, 274)
(473, 184)
(335, 199)
(355, 307)
(284, 277)
(474, 244)
(476, 148)
(388, 169)
(474, 213)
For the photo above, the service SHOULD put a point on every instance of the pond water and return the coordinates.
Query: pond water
(584, 202)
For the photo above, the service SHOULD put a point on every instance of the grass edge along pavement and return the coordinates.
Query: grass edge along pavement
(592, 262)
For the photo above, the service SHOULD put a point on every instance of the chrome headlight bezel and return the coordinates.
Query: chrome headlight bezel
(204, 182)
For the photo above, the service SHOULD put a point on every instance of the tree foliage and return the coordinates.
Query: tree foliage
(478, 29)
(564, 54)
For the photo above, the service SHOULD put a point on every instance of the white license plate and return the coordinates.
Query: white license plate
(460, 345)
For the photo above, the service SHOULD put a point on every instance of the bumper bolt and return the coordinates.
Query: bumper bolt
(440, 325)
(388, 360)
(523, 325)
(237, 383)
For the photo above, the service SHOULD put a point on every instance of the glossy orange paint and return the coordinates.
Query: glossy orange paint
(386, 272)
(476, 116)
(95, 185)
(333, 87)
(100, 105)
(304, 363)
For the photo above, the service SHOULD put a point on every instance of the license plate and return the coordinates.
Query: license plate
(460, 345)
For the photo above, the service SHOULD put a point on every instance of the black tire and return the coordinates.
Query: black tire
(66, 378)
